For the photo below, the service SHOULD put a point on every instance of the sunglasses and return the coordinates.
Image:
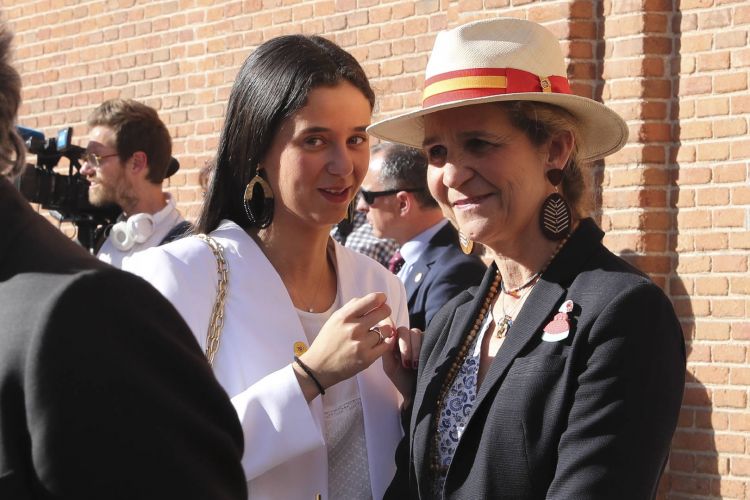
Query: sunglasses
(369, 196)
(94, 159)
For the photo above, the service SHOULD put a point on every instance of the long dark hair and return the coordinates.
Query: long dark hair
(272, 85)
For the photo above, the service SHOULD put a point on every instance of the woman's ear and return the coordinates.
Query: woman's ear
(560, 149)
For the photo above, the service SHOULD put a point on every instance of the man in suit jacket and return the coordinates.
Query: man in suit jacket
(104, 392)
(399, 206)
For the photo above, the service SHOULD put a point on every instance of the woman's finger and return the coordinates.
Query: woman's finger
(404, 346)
(361, 306)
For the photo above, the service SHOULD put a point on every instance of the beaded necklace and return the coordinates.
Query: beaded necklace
(464, 349)
(456, 365)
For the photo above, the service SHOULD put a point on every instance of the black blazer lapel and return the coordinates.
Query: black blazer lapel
(542, 303)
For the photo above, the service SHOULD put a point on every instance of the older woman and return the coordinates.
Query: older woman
(298, 352)
(561, 375)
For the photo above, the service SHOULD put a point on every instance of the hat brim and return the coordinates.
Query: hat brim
(602, 131)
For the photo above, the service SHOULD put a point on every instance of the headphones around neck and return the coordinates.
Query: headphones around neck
(137, 229)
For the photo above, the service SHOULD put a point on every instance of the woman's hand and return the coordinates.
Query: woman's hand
(401, 364)
(346, 345)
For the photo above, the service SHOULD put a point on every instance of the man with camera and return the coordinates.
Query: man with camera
(126, 160)
(110, 400)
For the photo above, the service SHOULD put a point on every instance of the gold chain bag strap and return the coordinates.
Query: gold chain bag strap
(217, 314)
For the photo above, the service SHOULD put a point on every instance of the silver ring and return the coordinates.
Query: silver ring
(376, 329)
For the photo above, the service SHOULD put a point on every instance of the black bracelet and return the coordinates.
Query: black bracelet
(310, 374)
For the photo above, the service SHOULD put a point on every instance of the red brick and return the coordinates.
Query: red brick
(713, 61)
(715, 19)
(740, 466)
(712, 374)
(730, 443)
(712, 330)
(740, 376)
(728, 488)
(717, 106)
(691, 485)
(740, 330)
(731, 263)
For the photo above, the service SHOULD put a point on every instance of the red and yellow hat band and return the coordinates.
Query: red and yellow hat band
(484, 82)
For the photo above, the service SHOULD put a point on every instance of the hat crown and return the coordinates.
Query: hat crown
(502, 60)
(497, 43)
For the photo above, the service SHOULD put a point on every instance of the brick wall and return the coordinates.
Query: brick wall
(675, 200)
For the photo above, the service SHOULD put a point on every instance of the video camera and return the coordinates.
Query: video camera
(66, 196)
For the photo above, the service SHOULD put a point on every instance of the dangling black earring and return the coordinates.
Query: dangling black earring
(554, 218)
(258, 201)
(467, 245)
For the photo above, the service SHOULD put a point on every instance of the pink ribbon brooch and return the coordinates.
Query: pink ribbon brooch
(559, 328)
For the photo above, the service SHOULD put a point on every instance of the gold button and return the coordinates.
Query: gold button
(300, 348)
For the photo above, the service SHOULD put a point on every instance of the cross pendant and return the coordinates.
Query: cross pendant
(503, 326)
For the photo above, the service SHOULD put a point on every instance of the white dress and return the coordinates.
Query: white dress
(285, 449)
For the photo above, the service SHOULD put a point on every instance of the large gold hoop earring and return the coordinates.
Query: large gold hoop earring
(258, 201)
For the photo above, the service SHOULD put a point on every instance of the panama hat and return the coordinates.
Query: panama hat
(504, 60)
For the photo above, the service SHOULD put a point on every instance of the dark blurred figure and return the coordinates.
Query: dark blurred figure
(114, 400)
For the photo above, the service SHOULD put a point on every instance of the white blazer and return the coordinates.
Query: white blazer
(285, 454)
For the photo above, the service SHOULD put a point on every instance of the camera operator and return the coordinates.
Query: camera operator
(114, 400)
(126, 160)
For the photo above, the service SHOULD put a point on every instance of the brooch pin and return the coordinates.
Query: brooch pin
(559, 328)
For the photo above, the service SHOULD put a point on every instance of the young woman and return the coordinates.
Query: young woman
(562, 375)
(292, 155)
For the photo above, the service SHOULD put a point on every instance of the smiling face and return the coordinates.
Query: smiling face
(486, 174)
(319, 157)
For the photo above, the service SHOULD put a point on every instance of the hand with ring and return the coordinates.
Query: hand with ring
(376, 329)
(345, 344)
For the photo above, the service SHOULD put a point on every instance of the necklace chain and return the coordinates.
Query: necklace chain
(502, 326)
(311, 304)
(455, 367)
(513, 291)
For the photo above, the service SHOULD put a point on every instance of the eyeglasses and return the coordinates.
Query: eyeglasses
(94, 159)
(369, 196)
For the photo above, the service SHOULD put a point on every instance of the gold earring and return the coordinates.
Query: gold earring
(258, 203)
(467, 245)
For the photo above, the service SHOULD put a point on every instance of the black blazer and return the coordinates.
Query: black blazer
(440, 273)
(104, 392)
(589, 416)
